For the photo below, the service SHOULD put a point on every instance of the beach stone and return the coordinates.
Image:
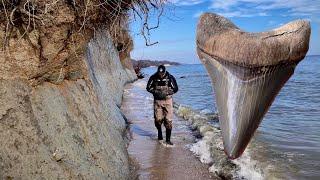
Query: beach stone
(247, 71)
(58, 155)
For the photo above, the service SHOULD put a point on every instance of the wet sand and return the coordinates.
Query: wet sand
(152, 159)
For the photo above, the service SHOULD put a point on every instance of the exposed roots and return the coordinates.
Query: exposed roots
(89, 14)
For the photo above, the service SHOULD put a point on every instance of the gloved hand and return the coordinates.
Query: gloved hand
(170, 91)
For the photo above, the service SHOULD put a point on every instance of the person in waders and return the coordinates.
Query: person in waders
(163, 85)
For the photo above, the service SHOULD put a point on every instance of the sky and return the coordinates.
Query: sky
(176, 33)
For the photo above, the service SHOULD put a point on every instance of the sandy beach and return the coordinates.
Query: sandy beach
(152, 159)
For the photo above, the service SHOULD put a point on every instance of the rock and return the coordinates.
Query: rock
(58, 155)
(247, 71)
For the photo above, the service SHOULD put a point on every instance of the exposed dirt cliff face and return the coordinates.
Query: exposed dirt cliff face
(68, 130)
(45, 40)
(60, 91)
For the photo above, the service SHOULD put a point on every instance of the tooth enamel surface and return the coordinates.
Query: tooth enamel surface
(242, 102)
(247, 71)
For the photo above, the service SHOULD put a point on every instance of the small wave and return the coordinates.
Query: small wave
(206, 111)
(248, 167)
(210, 149)
(194, 75)
(202, 149)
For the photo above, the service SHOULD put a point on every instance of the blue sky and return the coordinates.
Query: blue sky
(176, 34)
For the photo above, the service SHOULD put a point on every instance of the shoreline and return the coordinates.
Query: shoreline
(275, 151)
(204, 142)
(209, 148)
(150, 159)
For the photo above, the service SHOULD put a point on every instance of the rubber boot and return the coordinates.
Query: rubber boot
(160, 134)
(168, 136)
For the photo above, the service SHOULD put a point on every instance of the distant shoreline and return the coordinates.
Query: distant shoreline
(150, 63)
(313, 55)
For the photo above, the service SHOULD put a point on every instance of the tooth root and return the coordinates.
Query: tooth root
(247, 71)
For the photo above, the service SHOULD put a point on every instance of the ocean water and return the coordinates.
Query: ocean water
(287, 142)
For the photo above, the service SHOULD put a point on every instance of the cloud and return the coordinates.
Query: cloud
(249, 8)
(241, 14)
(271, 22)
(235, 14)
(223, 4)
(198, 14)
(186, 3)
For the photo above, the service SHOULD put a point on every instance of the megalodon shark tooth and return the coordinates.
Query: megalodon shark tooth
(247, 72)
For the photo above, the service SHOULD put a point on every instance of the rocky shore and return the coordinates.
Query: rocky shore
(209, 146)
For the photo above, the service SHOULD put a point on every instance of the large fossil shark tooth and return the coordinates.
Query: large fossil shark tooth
(247, 71)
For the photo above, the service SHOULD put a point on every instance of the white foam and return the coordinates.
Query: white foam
(209, 149)
(213, 169)
(205, 111)
(201, 149)
(248, 167)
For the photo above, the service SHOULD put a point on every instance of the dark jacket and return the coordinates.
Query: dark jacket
(162, 88)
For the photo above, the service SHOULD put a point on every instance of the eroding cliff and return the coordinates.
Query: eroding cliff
(61, 86)
(68, 130)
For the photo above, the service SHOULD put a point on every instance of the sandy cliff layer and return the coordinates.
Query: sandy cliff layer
(62, 120)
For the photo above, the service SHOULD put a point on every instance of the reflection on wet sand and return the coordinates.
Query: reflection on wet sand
(154, 160)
